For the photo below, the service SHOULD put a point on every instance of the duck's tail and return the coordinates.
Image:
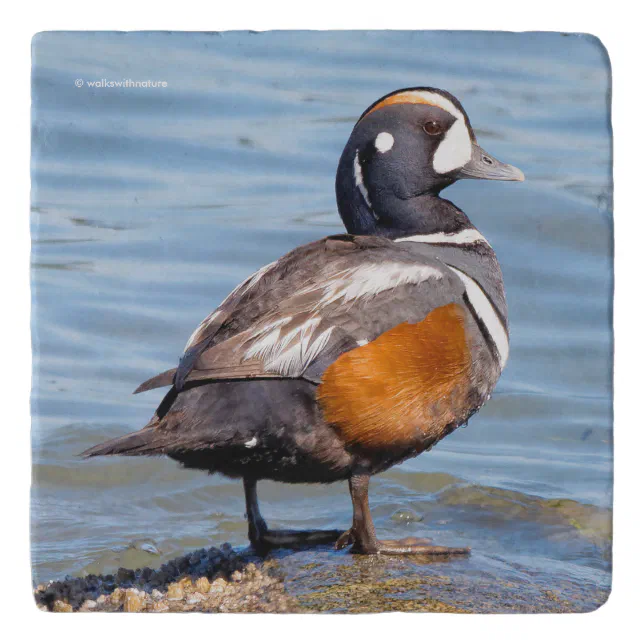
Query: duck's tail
(148, 441)
(141, 443)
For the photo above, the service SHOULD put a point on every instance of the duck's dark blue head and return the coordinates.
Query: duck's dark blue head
(405, 149)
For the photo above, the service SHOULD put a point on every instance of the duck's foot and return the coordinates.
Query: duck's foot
(413, 546)
(362, 534)
(271, 539)
(407, 546)
(262, 539)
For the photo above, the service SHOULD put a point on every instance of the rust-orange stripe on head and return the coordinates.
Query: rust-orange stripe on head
(418, 97)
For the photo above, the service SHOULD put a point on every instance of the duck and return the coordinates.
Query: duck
(356, 352)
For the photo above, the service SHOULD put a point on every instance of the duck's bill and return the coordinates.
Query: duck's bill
(484, 166)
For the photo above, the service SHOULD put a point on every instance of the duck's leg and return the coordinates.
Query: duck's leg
(263, 539)
(362, 533)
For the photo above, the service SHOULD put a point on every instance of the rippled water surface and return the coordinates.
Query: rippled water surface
(150, 205)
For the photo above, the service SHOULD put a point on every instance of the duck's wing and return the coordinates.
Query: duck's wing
(253, 297)
(295, 317)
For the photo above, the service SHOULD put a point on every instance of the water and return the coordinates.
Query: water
(150, 205)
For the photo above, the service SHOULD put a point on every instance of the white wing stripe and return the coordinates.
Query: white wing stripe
(271, 325)
(487, 314)
(290, 351)
(467, 236)
(294, 360)
(368, 280)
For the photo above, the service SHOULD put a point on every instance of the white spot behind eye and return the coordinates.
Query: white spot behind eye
(384, 142)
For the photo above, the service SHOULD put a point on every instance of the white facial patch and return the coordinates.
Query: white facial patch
(487, 315)
(455, 150)
(384, 142)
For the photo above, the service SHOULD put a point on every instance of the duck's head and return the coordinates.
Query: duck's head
(411, 143)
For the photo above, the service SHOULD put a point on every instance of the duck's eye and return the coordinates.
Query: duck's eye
(432, 128)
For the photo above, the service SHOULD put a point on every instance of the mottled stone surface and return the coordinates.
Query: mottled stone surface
(318, 580)
(207, 580)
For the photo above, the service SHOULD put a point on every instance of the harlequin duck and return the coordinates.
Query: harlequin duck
(355, 352)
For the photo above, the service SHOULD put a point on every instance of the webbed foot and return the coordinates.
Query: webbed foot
(407, 546)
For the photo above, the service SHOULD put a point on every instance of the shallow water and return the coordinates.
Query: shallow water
(150, 205)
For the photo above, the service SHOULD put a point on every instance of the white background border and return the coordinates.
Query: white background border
(619, 28)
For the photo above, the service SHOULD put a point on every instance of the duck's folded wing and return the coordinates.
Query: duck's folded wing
(310, 307)
(252, 297)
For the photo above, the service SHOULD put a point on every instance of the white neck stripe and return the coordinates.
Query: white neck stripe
(485, 311)
(359, 181)
(467, 236)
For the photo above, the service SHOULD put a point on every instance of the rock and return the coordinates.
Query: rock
(175, 592)
(160, 607)
(89, 604)
(251, 570)
(134, 601)
(176, 586)
(62, 607)
(236, 576)
(406, 516)
(195, 598)
(145, 545)
(187, 584)
(117, 597)
(124, 575)
(203, 585)
(218, 586)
